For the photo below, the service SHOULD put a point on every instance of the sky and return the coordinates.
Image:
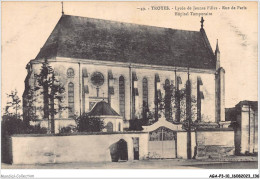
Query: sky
(27, 25)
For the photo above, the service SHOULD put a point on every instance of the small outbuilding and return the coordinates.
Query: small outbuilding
(112, 120)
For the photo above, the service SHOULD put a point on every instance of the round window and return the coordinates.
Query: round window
(97, 79)
(70, 73)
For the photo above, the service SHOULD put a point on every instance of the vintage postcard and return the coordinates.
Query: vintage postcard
(129, 85)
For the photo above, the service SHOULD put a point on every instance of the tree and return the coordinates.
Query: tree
(13, 104)
(12, 122)
(178, 101)
(29, 111)
(187, 106)
(52, 91)
(183, 104)
(85, 123)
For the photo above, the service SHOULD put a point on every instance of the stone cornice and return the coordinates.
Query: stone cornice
(126, 64)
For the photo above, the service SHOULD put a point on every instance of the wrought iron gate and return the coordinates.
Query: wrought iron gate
(162, 143)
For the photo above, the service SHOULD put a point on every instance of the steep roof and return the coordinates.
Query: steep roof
(96, 39)
(102, 109)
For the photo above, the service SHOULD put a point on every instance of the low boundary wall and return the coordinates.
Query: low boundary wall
(215, 144)
(36, 149)
(95, 147)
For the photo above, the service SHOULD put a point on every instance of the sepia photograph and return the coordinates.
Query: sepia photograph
(129, 85)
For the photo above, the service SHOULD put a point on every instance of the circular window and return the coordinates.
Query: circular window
(97, 79)
(70, 73)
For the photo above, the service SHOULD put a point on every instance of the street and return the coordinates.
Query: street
(144, 164)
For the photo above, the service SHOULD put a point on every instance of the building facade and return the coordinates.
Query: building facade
(245, 120)
(131, 67)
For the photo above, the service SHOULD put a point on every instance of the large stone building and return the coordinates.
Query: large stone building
(244, 117)
(131, 67)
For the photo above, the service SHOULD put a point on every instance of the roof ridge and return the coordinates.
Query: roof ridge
(115, 21)
(59, 34)
(107, 40)
(207, 43)
(55, 40)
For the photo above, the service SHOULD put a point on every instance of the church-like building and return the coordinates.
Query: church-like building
(128, 70)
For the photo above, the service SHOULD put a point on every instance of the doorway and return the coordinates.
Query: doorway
(122, 150)
(136, 147)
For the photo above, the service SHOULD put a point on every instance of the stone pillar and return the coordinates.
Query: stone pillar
(182, 145)
(85, 104)
(130, 149)
(220, 95)
(245, 128)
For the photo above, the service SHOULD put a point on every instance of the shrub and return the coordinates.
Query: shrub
(136, 124)
(85, 123)
(68, 130)
(11, 125)
(36, 130)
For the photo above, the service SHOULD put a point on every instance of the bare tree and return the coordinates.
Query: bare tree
(13, 104)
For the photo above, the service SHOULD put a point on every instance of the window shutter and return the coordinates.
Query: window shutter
(84, 72)
(157, 78)
(111, 90)
(199, 81)
(136, 92)
(179, 81)
(134, 76)
(135, 84)
(110, 74)
(86, 90)
(201, 95)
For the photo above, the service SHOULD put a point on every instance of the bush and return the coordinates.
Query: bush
(136, 124)
(68, 130)
(85, 123)
(36, 130)
(11, 125)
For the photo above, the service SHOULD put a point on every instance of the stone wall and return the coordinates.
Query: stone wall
(6, 149)
(35, 149)
(182, 144)
(95, 147)
(215, 144)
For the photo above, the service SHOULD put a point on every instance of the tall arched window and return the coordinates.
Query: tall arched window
(71, 99)
(168, 111)
(119, 126)
(109, 127)
(145, 98)
(122, 96)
